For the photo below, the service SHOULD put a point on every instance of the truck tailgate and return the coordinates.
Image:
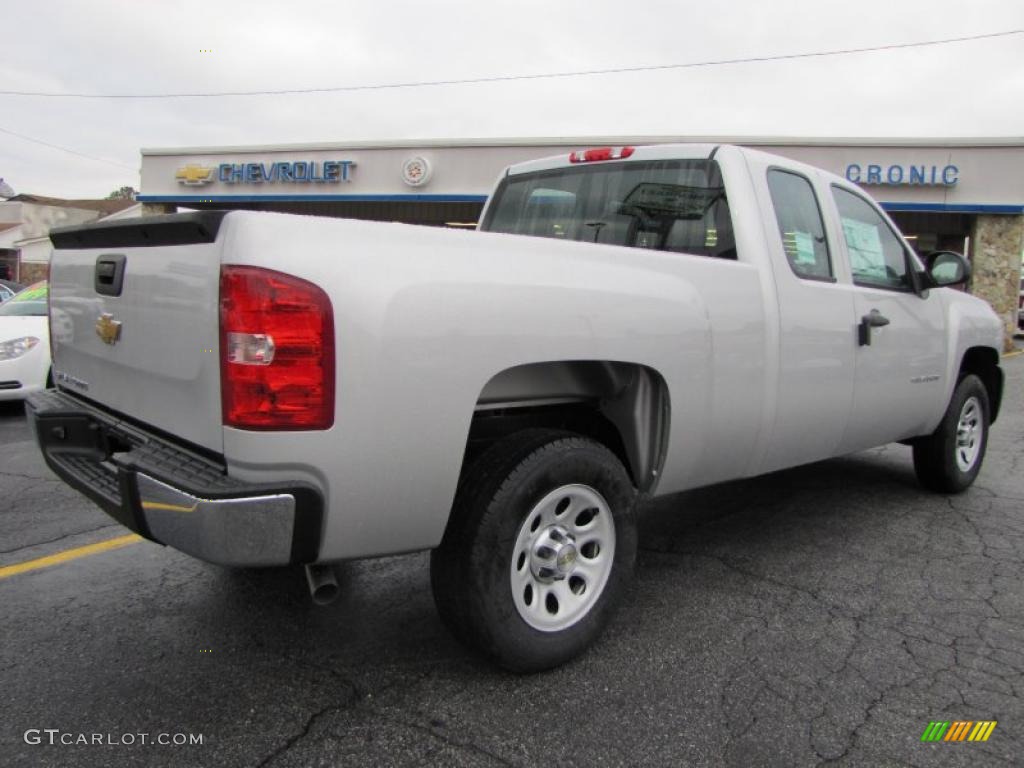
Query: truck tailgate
(149, 350)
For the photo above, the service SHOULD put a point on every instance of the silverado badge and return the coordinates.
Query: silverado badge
(108, 329)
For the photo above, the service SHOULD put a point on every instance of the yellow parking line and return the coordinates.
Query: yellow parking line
(69, 554)
(1013, 354)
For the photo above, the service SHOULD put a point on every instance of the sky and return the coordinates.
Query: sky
(966, 89)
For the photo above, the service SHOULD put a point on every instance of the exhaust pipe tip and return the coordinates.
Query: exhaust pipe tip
(323, 583)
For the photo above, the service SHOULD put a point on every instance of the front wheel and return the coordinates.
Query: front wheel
(950, 458)
(541, 543)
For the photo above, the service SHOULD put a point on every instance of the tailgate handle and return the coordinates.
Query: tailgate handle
(110, 274)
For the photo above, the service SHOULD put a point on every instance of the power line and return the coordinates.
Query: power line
(511, 78)
(65, 149)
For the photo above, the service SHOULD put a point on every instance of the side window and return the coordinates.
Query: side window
(800, 225)
(877, 257)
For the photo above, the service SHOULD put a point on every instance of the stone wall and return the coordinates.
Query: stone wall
(155, 209)
(33, 271)
(996, 246)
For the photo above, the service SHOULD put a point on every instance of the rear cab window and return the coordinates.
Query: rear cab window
(668, 205)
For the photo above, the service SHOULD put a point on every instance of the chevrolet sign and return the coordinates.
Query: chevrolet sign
(193, 175)
(298, 172)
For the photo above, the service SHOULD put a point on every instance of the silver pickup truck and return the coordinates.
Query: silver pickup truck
(258, 389)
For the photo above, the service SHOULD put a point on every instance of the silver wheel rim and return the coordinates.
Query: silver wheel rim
(969, 431)
(562, 558)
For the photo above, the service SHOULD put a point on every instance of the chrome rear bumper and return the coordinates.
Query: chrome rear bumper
(253, 530)
(172, 494)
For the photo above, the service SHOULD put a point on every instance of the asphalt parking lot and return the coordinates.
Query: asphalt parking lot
(818, 616)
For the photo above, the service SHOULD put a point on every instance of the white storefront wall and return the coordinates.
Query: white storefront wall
(966, 176)
(36, 250)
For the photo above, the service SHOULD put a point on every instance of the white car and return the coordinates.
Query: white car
(24, 343)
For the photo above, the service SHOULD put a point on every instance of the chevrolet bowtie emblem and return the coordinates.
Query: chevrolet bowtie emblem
(193, 175)
(108, 329)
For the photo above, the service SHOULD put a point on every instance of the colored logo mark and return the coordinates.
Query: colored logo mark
(194, 175)
(959, 730)
(416, 171)
(108, 329)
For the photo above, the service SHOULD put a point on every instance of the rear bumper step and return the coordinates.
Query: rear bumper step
(172, 495)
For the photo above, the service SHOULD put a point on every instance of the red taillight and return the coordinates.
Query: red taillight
(601, 153)
(277, 351)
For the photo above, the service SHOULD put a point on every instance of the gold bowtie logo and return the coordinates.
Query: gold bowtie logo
(108, 329)
(193, 175)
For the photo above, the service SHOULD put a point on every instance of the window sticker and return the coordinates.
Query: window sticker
(867, 259)
(800, 248)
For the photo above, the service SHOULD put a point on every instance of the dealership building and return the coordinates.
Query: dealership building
(965, 195)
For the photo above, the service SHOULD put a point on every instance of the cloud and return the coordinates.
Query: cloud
(110, 46)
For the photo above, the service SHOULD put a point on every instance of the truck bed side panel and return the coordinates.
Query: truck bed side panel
(425, 318)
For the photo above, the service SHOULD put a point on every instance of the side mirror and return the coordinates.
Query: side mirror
(948, 268)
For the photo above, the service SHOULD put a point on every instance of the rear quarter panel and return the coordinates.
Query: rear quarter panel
(424, 318)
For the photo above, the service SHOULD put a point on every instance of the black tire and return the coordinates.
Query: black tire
(471, 571)
(936, 456)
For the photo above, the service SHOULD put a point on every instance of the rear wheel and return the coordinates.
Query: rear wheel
(541, 543)
(950, 458)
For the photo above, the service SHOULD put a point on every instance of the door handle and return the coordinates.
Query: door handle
(873, 319)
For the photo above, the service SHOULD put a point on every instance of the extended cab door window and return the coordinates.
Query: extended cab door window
(877, 257)
(800, 225)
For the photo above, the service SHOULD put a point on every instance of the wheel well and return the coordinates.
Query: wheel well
(983, 362)
(624, 406)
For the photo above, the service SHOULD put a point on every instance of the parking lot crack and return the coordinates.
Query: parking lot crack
(36, 478)
(755, 576)
(307, 728)
(58, 538)
(436, 734)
